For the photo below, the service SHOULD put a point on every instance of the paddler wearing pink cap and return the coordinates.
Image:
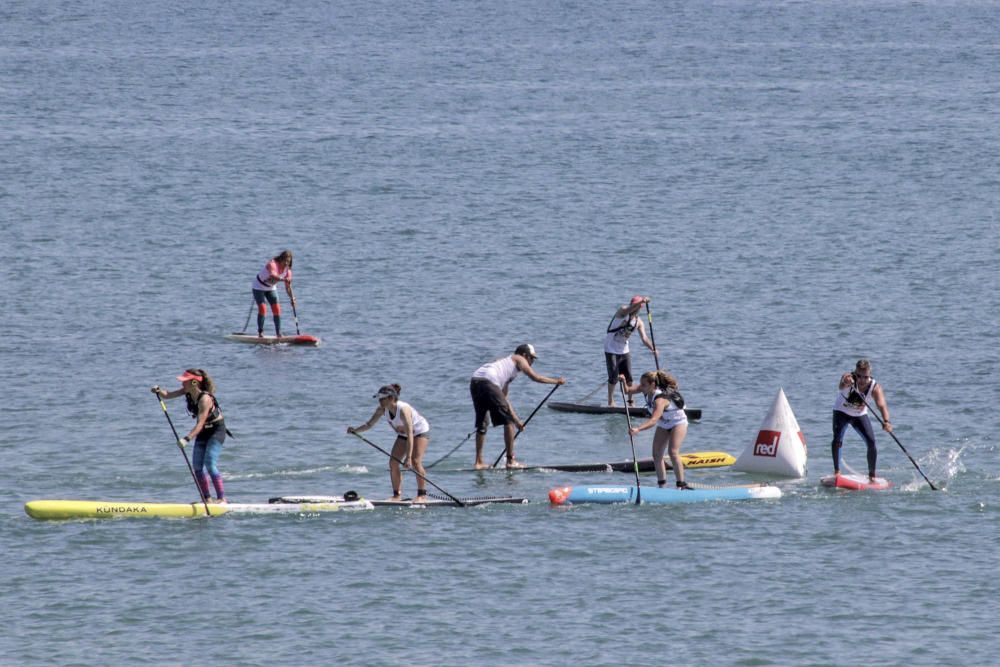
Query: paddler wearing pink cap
(617, 355)
(209, 431)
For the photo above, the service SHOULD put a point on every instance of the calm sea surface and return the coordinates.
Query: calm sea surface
(795, 184)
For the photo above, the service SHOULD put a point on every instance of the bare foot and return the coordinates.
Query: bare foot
(395, 499)
(480, 466)
(512, 464)
(420, 499)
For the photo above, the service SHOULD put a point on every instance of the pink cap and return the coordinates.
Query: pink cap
(189, 376)
(637, 299)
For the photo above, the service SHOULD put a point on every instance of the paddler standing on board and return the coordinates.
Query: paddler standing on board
(851, 409)
(209, 431)
(265, 288)
(617, 356)
(412, 435)
(666, 413)
(489, 387)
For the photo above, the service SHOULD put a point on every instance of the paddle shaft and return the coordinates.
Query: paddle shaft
(295, 314)
(652, 338)
(453, 450)
(584, 399)
(249, 315)
(537, 408)
(177, 440)
(882, 423)
(423, 477)
(635, 461)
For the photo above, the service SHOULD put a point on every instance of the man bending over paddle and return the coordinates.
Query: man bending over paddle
(489, 387)
(851, 409)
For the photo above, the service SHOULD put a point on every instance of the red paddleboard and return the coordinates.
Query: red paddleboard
(854, 482)
(252, 339)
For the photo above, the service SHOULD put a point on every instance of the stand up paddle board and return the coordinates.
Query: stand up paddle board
(694, 460)
(96, 509)
(855, 482)
(432, 501)
(300, 339)
(640, 411)
(572, 495)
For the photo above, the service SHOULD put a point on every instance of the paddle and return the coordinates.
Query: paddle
(423, 477)
(526, 423)
(879, 419)
(295, 314)
(584, 399)
(249, 315)
(652, 338)
(453, 450)
(177, 440)
(635, 461)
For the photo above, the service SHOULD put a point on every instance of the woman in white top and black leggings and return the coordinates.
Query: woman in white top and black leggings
(412, 436)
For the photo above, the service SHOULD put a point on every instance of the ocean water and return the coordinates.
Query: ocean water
(795, 184)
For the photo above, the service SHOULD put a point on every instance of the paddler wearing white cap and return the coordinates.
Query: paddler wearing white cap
(209, 431)
(489, 387)
(412, 435)
(617, 355)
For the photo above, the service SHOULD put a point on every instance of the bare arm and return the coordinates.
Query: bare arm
(408, 425)
(204, 408)
(630, 390)
(368, 424)
(659, 405)
(645, 339)
(523, 365)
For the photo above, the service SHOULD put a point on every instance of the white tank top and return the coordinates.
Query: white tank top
(260, 281)
(616, 342)
(420, 425)
(672, 415)
(854, 408)
(500, 372)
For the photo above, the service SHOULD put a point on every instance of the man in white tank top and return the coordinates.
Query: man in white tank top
(850, 408)
(489, 387)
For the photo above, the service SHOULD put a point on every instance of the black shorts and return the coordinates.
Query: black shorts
(618, 364)
(487, 397)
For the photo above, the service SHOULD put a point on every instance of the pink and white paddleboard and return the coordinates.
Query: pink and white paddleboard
(855, 482)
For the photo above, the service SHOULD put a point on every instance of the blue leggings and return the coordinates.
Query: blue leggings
(863, 426)
(205, 457)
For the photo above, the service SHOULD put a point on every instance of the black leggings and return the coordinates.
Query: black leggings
(863, 425)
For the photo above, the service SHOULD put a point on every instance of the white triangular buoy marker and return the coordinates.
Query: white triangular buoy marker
(780, 447)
